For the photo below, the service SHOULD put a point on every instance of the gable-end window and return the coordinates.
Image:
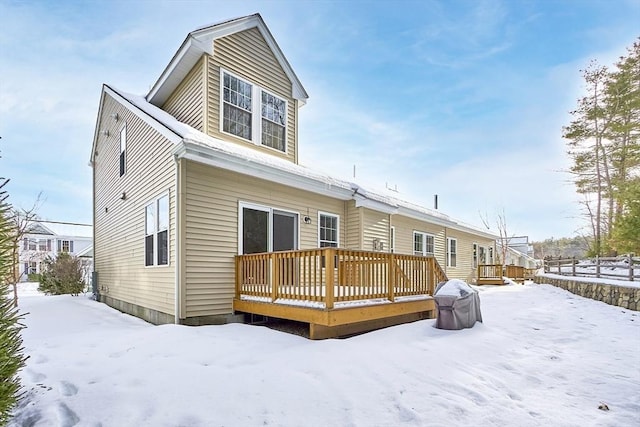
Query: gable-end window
(123, 149)
(156, 240)
(241, 117)
(452, 250)
(422, 243)
(237, 106)
(328, 230)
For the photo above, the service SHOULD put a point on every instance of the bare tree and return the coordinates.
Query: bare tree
(22, 222)
(505, 238)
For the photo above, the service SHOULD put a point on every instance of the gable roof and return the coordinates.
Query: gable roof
(61, 229)
(202, 41)
(197, 146)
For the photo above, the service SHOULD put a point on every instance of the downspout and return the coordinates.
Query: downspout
(177, 242)
(446, 251)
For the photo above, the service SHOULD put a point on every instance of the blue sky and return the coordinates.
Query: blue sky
(464, 99)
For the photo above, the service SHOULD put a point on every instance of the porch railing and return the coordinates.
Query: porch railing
(330, 275)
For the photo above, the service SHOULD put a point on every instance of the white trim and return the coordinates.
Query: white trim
(448, 251)
(424, 235)
(155, 202)
(270, 210)
(256, 112)
(337, 217)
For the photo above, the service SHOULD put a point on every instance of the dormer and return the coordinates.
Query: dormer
(231, 81)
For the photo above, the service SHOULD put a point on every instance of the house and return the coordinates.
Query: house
(520, 252)
(46, 239)
(202, 212)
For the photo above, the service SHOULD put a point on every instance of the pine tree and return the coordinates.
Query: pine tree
(603, 142)
(11, 352)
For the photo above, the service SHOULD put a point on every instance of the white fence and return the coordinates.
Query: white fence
(619, 268)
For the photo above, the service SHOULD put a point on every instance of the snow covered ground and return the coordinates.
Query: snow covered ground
(542, 357)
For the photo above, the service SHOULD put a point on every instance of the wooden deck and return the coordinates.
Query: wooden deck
(337, 291)
(490, 274)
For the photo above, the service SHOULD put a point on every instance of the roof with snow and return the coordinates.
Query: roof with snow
(62, 229)
(198, 146)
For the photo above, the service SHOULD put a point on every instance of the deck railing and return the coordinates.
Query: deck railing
(330, 275)
(619, 268)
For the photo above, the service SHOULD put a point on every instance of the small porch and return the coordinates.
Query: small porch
(337, 291)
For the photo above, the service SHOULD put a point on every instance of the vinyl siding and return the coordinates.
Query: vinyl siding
(247, 55)
(404, 236)
(353, 227)
(464, 269)
(211, 199)
(120, 224)
(186, 103)
(375, 226)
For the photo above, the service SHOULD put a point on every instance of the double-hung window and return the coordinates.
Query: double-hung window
(328, 230)
(241, 117)
(452, 250)
(237, 106)
(422, 243)
(65, 245)
(156, 241)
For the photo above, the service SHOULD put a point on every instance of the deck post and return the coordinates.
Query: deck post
(329, 272)
(573, 265)
(630, 258)
(273, 276)
(598, 266)
(391, 276)
(239, 276)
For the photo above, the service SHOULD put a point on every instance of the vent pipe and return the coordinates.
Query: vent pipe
(435, 201)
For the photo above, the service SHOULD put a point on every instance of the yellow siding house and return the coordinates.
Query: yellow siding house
(202, 212)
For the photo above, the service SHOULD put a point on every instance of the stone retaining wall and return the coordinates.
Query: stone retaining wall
(625, 297)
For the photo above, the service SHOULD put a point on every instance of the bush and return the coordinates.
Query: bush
(33, 277)
(62, 275)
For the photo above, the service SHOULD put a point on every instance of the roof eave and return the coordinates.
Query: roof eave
(227, 161)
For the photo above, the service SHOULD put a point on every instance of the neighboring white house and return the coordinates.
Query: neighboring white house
(48, 238)
(520, 252)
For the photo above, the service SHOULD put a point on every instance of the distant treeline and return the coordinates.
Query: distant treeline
(565, 247)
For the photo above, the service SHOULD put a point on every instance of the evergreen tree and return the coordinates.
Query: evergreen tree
(603, 142)
(11, 351)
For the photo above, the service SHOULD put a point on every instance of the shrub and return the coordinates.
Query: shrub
(33, 277)
(62, 275)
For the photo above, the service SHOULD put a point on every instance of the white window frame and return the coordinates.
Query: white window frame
(423, 251)
(122, 159)
(155, 202)
(337, 217)
(475, 254)
(270, 211)
(451, 240)
(256, 112)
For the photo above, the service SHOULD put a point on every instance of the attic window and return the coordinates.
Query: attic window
(241, 117)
